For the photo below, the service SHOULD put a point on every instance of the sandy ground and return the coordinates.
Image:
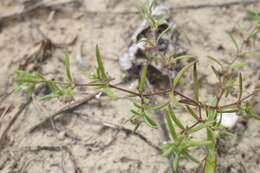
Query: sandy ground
(90, 146)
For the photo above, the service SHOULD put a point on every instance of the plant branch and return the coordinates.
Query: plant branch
(235, 103)
(124, 90)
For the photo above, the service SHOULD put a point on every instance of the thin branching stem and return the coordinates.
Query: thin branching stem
(124, 90)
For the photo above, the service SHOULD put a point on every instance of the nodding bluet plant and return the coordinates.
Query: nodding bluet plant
(206, 116)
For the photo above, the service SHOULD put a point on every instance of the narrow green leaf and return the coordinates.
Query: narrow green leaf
(182, 57)
(192, 158)
(171, 125)
(137, 105)
(192, 113)
(54, 87)
(211, 136)
(180, 73)
(67, 64)
(210, 162)
(174, 118)
(240, 65)
(201, 126)
(212, 114)
(168, 149)
(195, 82)
(162, 34)
(255, 15)
(109, 93)
(174, 99)
(176, 162)
(136, 113)
(27, 77)
(234, 41)
(151, 123)
(216, 60)
(220, 120)
(142, 78)
(194, 143)
(101, 69)
(146, 12)
(216, 72)
(250, 113)
(50, 96)
(159, 107)
(240, 86)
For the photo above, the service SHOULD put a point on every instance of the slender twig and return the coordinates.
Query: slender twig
(175, 92)
(241, 100)
(6, 95)
(220, 96)
(190, 127)
(120, 128)
(124, 90)
(14, 118)
(64, 109)
(2, 115)
(65, 148)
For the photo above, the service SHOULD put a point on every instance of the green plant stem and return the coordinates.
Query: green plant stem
(220, 96)
(210, 162)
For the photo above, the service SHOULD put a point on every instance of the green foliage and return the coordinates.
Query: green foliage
(195, 82)
(181, 72)
(255, 15)
(100, 70)
(109, 93)
(146, 12)
(171, 125)
(234, 41)
(250, 113)
(210, 163)
(206, 117)
(174, 118)
(28, 81)
(139, 113)
(142, 79)
(216, 60)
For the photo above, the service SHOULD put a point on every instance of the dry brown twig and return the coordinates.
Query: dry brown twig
(37, 149)
(4, 96)
(64, 109)
(16, 115)
(118, 128)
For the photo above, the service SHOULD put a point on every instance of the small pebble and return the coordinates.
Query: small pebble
(61, 136)
(229, 119)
